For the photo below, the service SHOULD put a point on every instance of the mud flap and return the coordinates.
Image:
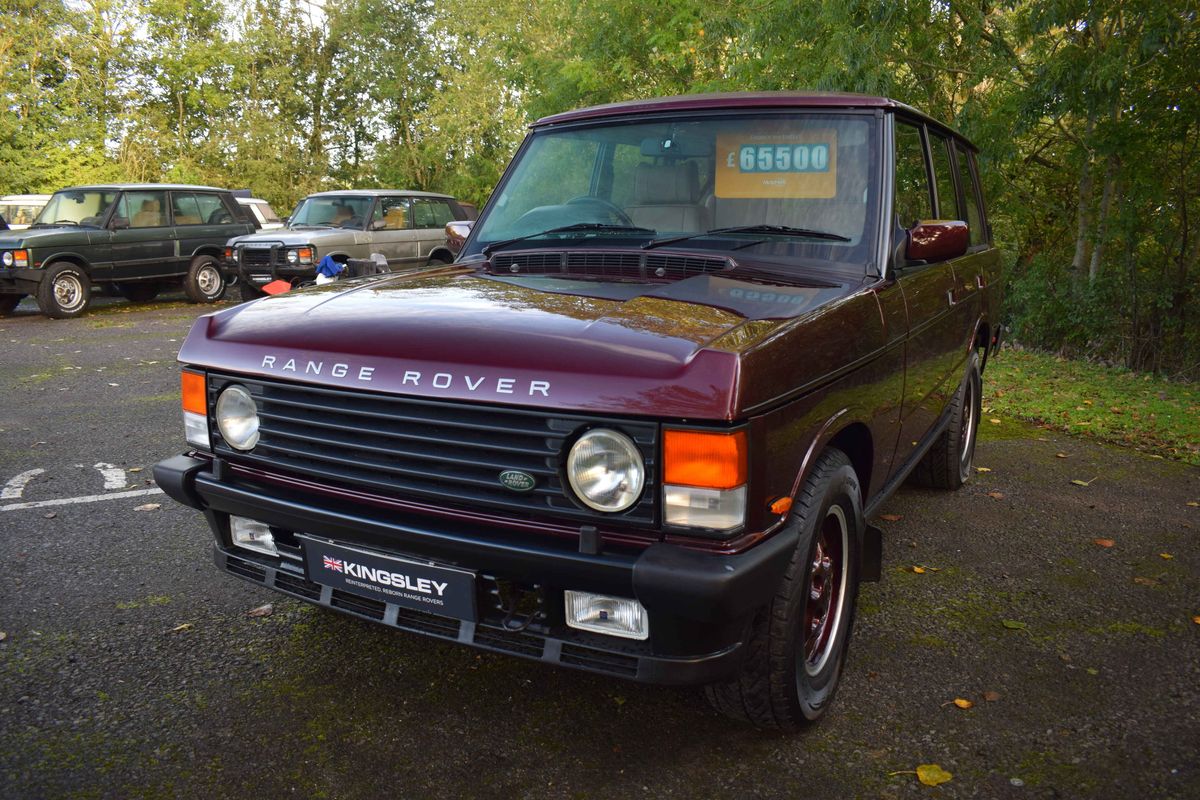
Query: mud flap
(872, 555)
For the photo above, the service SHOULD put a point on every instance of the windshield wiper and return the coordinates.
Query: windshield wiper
(578, 227)
(776, 230)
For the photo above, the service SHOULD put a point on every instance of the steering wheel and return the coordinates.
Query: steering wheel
(612, 209)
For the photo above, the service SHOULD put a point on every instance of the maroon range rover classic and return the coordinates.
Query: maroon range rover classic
(639, 427)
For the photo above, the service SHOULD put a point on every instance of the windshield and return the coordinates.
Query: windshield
(332, 212)
(798, 186)
(85, 207)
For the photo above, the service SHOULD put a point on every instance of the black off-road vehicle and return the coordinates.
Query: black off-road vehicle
(136, 238)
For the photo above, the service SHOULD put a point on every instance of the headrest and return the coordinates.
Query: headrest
(150, 204)
(666, 183)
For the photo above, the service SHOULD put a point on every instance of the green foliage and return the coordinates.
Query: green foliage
(1107, 403)
(1086, 114)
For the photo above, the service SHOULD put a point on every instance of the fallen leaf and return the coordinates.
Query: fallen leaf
(4, 635)
(1193, 504)
(918, 570)
(149, 507)
(962, 702)
(991, 697)
(983, 469)
(187, 626)
(1088, 402)
(1014, 625)
(1078, 482)
(891, 517)
(932, 774)
(994, 421)
(134, 469)
(1145, 581)
(619, 700)
(1196, 619)
(1167, 556)
(996, 495)
(1093, 671)
(1104, 542)
(50, 514)
(1060, 455)
(261, 611)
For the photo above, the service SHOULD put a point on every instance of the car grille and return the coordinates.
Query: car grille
(444, 452)
(600, 264)
(255, 257)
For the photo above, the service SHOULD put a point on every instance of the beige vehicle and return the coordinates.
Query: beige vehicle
(408, 228)
(20, 210)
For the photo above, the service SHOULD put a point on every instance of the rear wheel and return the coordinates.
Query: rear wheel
(64, 292)
(8, 303)
(797, 645)
(948, 463)
(142, 292)
(204, 282)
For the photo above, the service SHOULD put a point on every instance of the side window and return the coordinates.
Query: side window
(971, 195)
(429, 213)
(212, 210)
(143, 209)
(943, 178)
(185, 209)
(395, 213)
(914, 201)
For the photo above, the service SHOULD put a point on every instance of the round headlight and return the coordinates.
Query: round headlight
(7, 258)
(237, 418)
(293, 257)
(605, 469)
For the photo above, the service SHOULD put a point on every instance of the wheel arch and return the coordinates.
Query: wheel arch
(208, 250)
(441, 254)
(68, 258)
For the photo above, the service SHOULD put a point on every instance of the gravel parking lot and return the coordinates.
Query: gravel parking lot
(129, 666)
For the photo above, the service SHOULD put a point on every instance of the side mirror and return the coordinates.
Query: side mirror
(457, 233)
(378, 224)
(937, 240)
(119, 224)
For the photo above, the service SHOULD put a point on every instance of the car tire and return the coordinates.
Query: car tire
(204, 282)
(249, 291)
(140, 292)
(64, 292)
(797, 645)
(9, 303)
(948, 463)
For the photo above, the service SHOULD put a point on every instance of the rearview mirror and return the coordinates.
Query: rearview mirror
(458, 231)
(937, 240)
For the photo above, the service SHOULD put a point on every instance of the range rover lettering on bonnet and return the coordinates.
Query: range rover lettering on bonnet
(415, 378)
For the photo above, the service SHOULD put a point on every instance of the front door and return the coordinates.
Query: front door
(143, 241)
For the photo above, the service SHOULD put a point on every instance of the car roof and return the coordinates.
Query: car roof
(741, 101)
(137, 186)
(378, 192)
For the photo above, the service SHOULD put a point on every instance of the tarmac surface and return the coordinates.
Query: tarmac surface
(129, 667)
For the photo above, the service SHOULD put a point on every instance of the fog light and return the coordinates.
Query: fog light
(195, 430)
(252, 535)
(615, 616)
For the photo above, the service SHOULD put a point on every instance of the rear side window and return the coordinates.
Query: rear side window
(914, 201)
(212, 210)
(970, 191)
(394, 212)
(143, 209)
(943, 177)
(431, 213)
(185, 209)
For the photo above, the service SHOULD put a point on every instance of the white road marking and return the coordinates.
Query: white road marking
(14, 488)
(91, 498)
(114, 477)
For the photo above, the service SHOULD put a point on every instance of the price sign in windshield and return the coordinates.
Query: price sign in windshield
(795, 164)
(783, 157)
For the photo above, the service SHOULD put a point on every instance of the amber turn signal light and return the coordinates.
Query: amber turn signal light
(194, 399)
(702, 458)
(781, 505)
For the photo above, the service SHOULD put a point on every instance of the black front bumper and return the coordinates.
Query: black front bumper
(699, 604)
(20, 280)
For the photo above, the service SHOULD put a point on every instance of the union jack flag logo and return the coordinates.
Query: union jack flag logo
(334, 564)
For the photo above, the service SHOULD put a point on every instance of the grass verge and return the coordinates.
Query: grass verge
(1106, 403)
